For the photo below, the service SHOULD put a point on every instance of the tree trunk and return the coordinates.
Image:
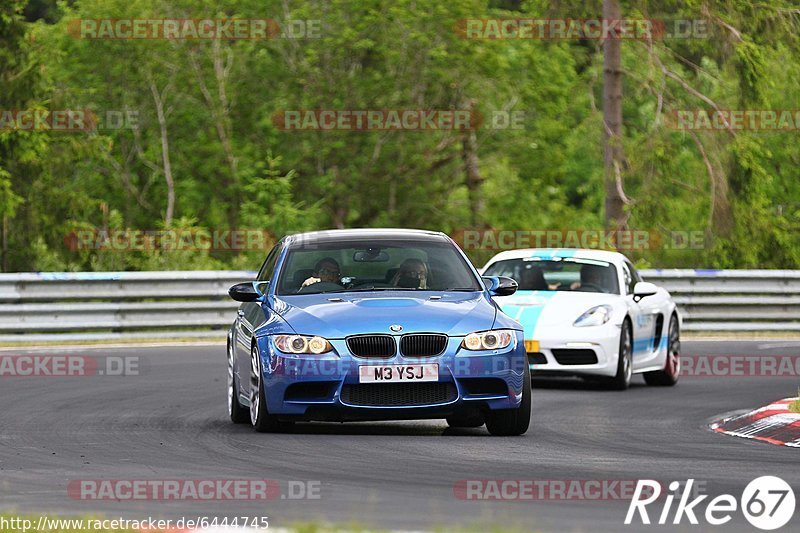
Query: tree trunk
(5, 243)
(167, 165)
(220, 113)
(615, 217)
(223, 129)
(474, 179)
(472, 171)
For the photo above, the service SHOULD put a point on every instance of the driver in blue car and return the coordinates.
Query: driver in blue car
(326, 270)
(412, 274)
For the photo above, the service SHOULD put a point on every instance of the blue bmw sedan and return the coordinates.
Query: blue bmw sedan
(375, 324)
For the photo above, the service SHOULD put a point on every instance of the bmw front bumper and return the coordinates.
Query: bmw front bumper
(328, 387)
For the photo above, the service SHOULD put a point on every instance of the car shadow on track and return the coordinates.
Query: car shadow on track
(574, 383)
(410, 428)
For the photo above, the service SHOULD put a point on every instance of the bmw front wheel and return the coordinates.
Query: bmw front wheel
(260, 419)
(511, 422)
(236, 411)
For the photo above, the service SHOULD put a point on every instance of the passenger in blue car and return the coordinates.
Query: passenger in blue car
(412, 274)
(326, 270)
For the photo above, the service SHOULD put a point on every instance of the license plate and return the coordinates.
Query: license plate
(531, 346)
(398, 373)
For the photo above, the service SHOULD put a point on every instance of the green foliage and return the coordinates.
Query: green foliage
(231, 167)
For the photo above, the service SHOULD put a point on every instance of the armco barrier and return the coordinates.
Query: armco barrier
(733, 300)
(109, 305)
(51, 306)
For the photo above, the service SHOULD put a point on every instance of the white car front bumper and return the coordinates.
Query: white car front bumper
(582, 351)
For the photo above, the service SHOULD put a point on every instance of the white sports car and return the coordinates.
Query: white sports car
(588, 313)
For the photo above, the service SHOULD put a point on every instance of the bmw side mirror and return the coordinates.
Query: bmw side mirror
(261, 287)
(642, 289)
(500, 285)
(245, 292)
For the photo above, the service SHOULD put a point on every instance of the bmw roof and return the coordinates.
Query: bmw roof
(327, 236)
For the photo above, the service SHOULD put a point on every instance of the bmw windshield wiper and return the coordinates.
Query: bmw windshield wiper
(371, 288)
(362, 289)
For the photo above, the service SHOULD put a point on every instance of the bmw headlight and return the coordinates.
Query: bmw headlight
(596, 316)
(302, 344)
(495, 339)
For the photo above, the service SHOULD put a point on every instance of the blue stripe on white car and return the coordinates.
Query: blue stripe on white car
(526, 307)
(550, 253)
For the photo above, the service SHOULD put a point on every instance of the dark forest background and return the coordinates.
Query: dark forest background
(205, 153)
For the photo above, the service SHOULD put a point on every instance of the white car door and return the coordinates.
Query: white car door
(643, 317)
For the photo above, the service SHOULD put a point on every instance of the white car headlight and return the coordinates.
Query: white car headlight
(302, 344)
(596, 316)
(494, 339)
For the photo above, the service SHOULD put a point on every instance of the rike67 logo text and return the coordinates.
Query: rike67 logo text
(767, 502)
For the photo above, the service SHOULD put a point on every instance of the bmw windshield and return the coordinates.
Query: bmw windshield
(375, 265)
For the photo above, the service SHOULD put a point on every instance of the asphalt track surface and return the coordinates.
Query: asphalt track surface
(170, 422)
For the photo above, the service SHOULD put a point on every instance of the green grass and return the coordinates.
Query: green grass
(795, 405)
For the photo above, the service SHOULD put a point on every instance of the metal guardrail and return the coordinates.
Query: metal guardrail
(52, 306)
(123, 305)
(733, 300)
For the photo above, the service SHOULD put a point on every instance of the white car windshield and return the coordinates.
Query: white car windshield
(558, 274)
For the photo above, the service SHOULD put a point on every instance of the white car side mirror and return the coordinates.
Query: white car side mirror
(642, 289)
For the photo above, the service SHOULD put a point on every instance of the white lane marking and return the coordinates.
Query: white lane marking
(767, 346)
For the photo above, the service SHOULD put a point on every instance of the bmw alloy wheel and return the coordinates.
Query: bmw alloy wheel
(255, 384)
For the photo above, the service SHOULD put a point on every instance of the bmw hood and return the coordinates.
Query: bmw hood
(340, 315)
(544, 309)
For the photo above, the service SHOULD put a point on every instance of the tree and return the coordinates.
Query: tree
(19, 87)
(615, 216)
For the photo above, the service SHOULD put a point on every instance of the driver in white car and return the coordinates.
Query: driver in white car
(593, 279)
